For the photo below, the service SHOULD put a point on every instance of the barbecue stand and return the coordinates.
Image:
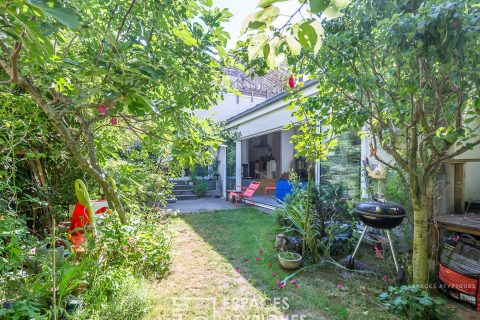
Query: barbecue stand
(380, 215)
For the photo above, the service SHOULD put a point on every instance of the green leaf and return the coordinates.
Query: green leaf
(384, 296)
(320, 34)
(268, 14)
(274, 58)
(256, 45)
(266, 50)
(293, 45)
(184, 35)
(71, 61)
(257, 20)
(307, 36)
(266, 3)
(317, 6)
(439, 132)
(333, 11)
(54, 9)
(397, 301)
(426, 301)
(256, 24)
(37, 43)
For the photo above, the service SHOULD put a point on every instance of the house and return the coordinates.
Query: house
(263, 151)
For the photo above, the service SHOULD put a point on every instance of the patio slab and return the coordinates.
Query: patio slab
(204, 205)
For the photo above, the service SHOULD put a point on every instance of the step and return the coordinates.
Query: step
(181, 192)
(186, 197)
(182, 187)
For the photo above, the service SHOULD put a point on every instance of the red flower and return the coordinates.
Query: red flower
(378, 252)
(340, 285)
(102, 110)
(280, 284)
(294, 282)
(247, 260)
(291, 82)
(113, 121)
(257, 258)
(273, 274)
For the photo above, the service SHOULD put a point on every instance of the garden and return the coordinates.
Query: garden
(99, 119)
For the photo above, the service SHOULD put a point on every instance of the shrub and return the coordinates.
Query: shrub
(200, 188)
(142, 246)
(413, 303)
(115, 294)
(332, 237)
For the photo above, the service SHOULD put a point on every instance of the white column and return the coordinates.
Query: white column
(238, 163)
(318, 172)
(222, 168)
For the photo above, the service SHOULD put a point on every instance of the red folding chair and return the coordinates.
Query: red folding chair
(244, 192)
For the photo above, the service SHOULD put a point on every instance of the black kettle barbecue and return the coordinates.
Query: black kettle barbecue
(379, 215)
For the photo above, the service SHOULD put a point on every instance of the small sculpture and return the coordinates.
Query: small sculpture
(284, 243)
(378, 173)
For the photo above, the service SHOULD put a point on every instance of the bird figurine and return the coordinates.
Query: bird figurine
(378, 173)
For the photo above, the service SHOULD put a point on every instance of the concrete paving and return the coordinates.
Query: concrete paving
(205, 204)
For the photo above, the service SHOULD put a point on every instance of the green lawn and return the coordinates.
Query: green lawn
(240, 236)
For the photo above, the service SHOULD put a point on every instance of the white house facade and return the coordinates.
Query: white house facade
(263, 152)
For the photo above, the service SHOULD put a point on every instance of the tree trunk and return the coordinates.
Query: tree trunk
(420, 243)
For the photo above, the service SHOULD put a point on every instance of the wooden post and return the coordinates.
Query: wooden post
(458, 189)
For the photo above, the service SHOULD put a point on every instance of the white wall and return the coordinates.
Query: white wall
(472, 181)
(272, 117)
(228, 107)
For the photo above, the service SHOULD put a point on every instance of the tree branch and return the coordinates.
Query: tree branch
(124, 19)
(14, 60)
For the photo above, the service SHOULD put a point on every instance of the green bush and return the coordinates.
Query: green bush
(142, 246)
(115, 294)
(331, 222)
(200, 188)
(413, 303)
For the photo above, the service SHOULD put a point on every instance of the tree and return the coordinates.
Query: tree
(140, 66)
(268, 44)
(406, 74)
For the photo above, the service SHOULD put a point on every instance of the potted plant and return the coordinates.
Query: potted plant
(289, 260)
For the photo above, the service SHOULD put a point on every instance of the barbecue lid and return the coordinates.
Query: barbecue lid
(378, 208)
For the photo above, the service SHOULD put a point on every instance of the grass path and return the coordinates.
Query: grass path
(215, 275)
(204, 285)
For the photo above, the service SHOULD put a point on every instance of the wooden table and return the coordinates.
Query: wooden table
(464, 223)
